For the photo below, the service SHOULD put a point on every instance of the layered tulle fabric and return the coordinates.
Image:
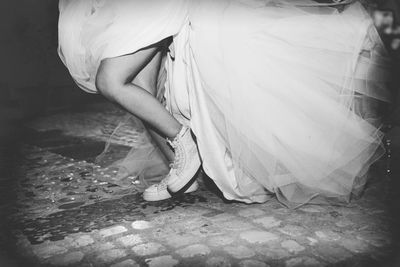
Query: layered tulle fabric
(267, 86)
(271, 89)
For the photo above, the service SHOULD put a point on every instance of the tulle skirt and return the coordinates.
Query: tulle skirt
(269, 90)
(268, 87)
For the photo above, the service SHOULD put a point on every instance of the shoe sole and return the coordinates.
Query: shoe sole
(156, 196)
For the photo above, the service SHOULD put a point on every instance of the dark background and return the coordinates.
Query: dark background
(33, 80)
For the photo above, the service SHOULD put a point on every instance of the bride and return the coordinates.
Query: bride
(261, 93)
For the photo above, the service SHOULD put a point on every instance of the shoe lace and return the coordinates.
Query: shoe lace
(163, 183)
(179, 157)
(179, 150)
(176, 165)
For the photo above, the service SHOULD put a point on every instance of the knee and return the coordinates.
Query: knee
(107, 83)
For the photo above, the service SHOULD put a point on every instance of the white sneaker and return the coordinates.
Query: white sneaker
(187, 161)
(159, 191)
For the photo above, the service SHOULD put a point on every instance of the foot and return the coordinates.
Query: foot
(187, 161)
(159, 191)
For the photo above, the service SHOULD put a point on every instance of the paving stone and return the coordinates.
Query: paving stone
(148, 249)
(126, 263)
(327, 235)
(344, 223)
(268, 222)
(252, 263)
(48, 250)
(377, 239)
(130, 240)
(355, 245)
(141, 225)
(293, 230)
(239, 252)
(177, 241)
(72, 258)
(250, 212)
(275, 252)
(108, 256)
(218, 262)
(302, 262)
(315, 209)
(67, 242)
(162, 261)
(292, 246)
(221, 240)
(195, 211)
(204, 229)
(358, 228)
(312, 241)
(351, 210)
(212, 213)
(194, 250)
(103, 246)
(235, 224)
(331, 253)
(258, 236)
(82, 241)
(335, 214)
(223, 217)
(167, 217)
(279, 210)
(163, 233)
(115, 230)
(199, 226)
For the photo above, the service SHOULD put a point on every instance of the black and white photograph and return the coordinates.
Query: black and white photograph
(191, 133)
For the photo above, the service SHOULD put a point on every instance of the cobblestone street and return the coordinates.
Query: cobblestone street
(60, 207)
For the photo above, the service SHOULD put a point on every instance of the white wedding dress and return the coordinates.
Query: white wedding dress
(267, 86)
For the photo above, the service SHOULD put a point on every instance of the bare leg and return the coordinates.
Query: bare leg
(114, 82)
(162, 145)
(148, 79)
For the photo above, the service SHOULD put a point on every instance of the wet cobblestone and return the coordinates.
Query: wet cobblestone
(70, 212)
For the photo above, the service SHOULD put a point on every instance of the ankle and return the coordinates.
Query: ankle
(174, 132)
(178, 134)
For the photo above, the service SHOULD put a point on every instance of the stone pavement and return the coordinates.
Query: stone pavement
(63, 208)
